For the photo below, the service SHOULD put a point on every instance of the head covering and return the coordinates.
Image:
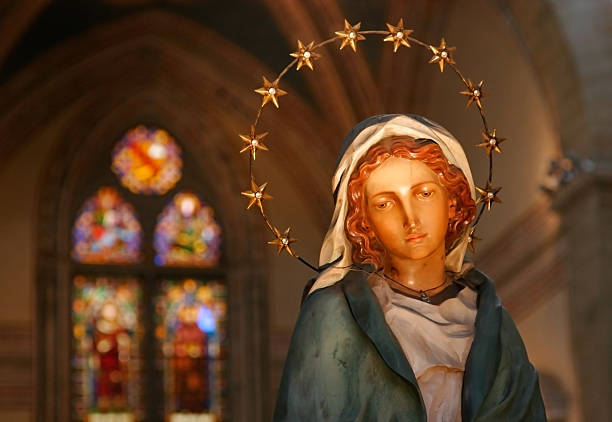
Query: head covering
(337, 249)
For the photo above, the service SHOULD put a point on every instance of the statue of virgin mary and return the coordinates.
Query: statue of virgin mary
(398, 326)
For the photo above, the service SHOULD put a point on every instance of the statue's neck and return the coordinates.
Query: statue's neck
(418, 274)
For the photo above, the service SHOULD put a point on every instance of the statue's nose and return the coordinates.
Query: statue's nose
(410, 218)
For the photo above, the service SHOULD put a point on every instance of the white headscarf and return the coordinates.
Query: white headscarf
(336, 245)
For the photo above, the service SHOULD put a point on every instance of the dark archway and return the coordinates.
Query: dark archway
(196, 94)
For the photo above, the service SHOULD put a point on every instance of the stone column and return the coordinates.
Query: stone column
(570, 45)
(585, 207)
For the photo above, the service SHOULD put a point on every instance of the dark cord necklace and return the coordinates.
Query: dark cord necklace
(420, 294)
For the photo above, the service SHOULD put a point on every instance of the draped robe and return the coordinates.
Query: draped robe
(345, 364)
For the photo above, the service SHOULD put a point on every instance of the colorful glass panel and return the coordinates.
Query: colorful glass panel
(106, 230)
(187, 233)
(147, 161)
(190, 317)
(106, 353)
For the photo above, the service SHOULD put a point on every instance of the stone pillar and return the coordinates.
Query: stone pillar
(585, 207)
(570, 45)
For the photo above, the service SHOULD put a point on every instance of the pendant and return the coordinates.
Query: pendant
(424, 297)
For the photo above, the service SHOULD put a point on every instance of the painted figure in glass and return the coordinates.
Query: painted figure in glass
(112, 349)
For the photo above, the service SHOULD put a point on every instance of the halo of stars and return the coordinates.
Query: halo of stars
(350, 35)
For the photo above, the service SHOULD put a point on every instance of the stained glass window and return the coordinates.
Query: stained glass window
(147, 161)
(191, 334)
(106, 230)
(106, 352)
(187, 233)
(163, 358)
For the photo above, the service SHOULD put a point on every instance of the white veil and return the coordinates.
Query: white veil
(336, 246)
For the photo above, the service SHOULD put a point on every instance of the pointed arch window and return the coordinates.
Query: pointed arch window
(106, 328)
(106, 230)
(190, 330)
(187, 233)
(148, 294)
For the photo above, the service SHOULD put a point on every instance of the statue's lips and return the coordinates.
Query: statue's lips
(415, 237)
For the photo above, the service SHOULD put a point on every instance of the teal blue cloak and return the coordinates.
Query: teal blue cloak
(345, 364)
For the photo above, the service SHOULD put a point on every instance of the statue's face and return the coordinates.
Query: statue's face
(408, 208)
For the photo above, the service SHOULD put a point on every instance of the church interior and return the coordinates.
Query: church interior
(135, 284)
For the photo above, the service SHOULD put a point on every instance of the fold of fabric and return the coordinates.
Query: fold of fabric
(345, 364)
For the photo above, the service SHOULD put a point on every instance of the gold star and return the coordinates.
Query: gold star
(398, 35)
(488, 195)
(253, 142)
(305, 55)
(270, 92)
(283, 241)
(474, 93)
(442, 54)
(491, 142)
(472, 239)
(257, 195)
(350, 35)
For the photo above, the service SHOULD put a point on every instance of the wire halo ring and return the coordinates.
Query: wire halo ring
(349, 36)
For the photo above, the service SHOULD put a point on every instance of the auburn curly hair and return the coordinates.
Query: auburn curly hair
(366, 248)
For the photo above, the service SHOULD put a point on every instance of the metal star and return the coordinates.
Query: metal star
(257, 195)
(472, 239)
(488, 195)
(350, 35)
(442, 54)
(398, 35)
(491, 142)
(270, 92)
(475, 94)
(283, 241)
(253, 142)
(305, 55)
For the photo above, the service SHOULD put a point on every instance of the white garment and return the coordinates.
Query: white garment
(436, 339)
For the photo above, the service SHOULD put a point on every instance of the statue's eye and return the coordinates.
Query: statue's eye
(383, 205)
(425, 194)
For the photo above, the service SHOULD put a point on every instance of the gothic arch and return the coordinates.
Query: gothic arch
(187, 80)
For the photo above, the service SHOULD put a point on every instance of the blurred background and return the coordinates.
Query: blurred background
(135, 286)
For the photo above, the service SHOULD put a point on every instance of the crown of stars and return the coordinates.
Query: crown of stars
(398, 35)
(350, 35)
(270, 92)
(305, 55)
(491, 142)
(488, 195)
(283, 241)
(256, 195)
(475, 94)
(253, 142)
(442, 54)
